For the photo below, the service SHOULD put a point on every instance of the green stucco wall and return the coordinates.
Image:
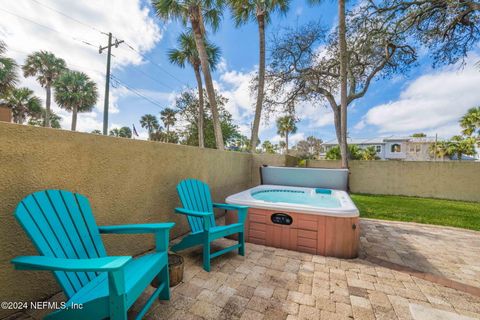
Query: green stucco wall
(126, 181)
(456, 180)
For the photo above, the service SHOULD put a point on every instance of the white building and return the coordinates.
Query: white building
(392, 148)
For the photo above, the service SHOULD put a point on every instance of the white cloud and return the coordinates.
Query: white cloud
(315, 116)
(235, 86)
(432, 103)
(129, 20)
(222, 65)
(292, 139)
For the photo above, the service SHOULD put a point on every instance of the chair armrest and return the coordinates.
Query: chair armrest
(194, 213)
(161, 231)
(136, 228)
(61, 264)
(198, 214)
(241, 210)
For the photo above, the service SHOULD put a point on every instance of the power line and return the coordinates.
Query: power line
(49, 28)
(154, 79)
(151, 77)
(69, 64)
(158, 104)
(70, 17)
(144, 56)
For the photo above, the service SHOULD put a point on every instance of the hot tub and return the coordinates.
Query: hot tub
(314, 220)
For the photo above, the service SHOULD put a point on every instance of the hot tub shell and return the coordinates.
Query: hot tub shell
(331, 232)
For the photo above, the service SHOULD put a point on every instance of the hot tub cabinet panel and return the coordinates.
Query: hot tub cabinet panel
(315, 234)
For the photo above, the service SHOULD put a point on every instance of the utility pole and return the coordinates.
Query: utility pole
(107, 78)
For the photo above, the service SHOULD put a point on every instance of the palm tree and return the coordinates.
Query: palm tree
(197, 13)
(285, 126)
(439, 150)
(187, 52)
(167, 115)
(149, 122)
(123, 132)
(47, 68)
(23, 104)
(460, 146)
(369, 153)
(281, 145)
(8, 71)
(268, 147)
(259, 10)
(39, 120)
(75, 92)
(342, 46)
(470, 122)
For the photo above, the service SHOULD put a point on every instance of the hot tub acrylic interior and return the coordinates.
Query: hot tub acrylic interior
(313, 220)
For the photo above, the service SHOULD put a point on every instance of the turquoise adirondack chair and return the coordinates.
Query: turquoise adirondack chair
(198, 207)
(62, 227)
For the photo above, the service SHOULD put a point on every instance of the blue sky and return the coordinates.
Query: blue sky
(421, 100)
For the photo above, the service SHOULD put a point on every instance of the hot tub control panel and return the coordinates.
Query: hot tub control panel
(281, 218)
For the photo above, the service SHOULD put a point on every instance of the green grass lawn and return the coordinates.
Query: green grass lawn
(452, 213)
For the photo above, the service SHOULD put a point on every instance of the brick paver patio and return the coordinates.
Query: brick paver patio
(271, 283)
(449, 252)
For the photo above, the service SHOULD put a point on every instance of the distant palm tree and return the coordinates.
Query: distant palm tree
(23, 104)
(369, 153)
(8, 71)
(470, 122)
(96, 131)
(168, 118)
(260, 10)
(47, 68)
(149, 122)
(282, 145)
(198, 13)
(439, 149)
(285, 126)
(459, 146)
(40, 119)
(187, 53)
(75, 92)
(123, 132)
(268, 147)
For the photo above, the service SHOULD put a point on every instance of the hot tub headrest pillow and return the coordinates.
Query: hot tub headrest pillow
(305, 177)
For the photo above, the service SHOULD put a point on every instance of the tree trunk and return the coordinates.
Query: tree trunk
(74, 118)
(343, 81)
(20, 117)
(261, 83)
(286, 142)
(46, 121)
(337, 123)
(200, 44)
(201, 142)
(168, 132)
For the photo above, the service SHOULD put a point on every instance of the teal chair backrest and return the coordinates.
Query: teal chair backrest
(195, 195)
(61, 225)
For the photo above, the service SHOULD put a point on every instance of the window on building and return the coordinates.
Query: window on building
(415, 148)
(395, 148)
(378, 149)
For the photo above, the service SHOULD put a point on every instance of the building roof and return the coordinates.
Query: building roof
(381, 140)
(357, 141)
